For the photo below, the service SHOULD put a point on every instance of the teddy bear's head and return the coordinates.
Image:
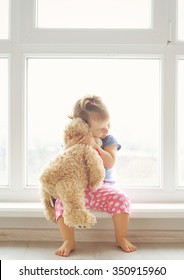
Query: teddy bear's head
(77, 127)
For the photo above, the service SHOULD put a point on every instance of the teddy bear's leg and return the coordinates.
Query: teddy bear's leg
(75, 213)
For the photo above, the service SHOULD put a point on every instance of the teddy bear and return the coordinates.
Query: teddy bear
(68, 175)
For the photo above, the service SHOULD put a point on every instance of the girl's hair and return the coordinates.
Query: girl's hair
(90, 106)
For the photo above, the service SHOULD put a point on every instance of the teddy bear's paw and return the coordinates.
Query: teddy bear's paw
(82, 219)
(81, 227)
(86, 220)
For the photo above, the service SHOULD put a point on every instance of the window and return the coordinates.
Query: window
(180, 121)
(50, 61)
(3, 122)
(94, 14)
(4, 19)
(129, 103)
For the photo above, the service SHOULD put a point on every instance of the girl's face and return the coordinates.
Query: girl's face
(99, 128)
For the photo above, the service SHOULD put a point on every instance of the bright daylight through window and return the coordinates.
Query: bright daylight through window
(3, 122)
(180, 11)
(134, 107)
(130, 14)
(4, 19)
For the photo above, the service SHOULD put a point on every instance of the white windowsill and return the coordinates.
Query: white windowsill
(139, 210)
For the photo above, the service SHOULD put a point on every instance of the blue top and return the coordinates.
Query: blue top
(107, 141)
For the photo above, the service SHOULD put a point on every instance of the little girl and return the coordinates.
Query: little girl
(106, 198)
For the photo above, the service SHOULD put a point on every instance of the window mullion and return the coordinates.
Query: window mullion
(169, 123)
(16, 102)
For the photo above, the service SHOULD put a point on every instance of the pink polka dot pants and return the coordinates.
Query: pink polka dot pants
(107, 198)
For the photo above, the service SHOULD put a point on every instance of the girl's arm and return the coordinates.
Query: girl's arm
(108, 155)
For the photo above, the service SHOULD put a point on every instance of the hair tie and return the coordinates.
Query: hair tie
(93, 103)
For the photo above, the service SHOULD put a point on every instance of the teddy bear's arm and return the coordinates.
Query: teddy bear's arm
(49, 211)
(94, 164)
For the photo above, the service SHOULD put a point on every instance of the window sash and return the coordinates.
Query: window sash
(29, 33)
(18, 171)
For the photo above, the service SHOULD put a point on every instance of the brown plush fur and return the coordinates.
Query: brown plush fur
(68, 175)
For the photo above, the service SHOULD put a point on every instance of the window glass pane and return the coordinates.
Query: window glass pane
(180, 20)
(4, 19)
(180, 121)
(3, 121)
(94, 14)
(129, 87)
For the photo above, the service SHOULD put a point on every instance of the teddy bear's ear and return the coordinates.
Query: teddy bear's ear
(79, 124)
(76, 127)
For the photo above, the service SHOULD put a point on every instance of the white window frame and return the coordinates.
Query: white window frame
(26, 42)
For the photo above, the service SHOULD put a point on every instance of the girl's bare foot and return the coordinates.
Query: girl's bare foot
(66, 248)
(126, 246)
